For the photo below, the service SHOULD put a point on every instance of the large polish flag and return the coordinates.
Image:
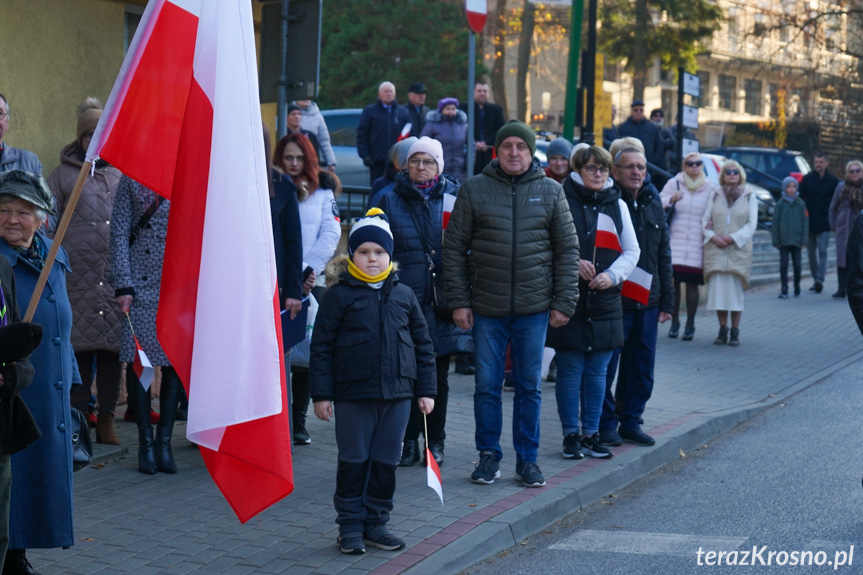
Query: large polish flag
(184, 119)
(637, 286)
(606, 233)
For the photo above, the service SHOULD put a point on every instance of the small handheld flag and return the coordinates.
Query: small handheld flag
(448, 205)
(142, 366)
(406, 131)
(432, 470)
(637, 286)
(606, 233)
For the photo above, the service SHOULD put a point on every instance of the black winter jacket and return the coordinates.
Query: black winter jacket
(648, 133)
(854, 271)
(487, 121)
(379, 129)
(597, 324)
(510, 247)
(648, 219)
(287, 237)
(370, 343)
(817, 192)
(410, 252)
(417, 117)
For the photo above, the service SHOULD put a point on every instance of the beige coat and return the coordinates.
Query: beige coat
(96, 320)
(738, 221)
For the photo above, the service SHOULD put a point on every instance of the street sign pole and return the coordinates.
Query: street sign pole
(680, 78)
(476, 12)
(572, 72)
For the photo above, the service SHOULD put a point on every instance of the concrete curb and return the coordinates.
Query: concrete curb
(508, 529)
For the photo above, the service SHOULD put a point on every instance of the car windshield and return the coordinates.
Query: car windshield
(343, 129)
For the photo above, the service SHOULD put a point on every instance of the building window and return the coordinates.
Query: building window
(727, 92)
(753, 104)
(703, 100)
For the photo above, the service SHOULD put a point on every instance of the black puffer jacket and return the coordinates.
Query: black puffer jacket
(410, 252)
(510, 247)
(854, 271)
(597, 324)
(370, 343)
(648, 219)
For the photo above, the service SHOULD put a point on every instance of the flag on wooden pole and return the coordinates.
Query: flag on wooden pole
(142, 366)
(433, 474)
(184, 120)
(606, 233)
(637, 286)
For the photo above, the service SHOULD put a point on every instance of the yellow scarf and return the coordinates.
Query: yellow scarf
(364, 277)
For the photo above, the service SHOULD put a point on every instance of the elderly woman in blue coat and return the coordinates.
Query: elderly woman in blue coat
(41, 506)
(418, 210)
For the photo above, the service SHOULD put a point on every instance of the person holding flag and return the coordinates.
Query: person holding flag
(140, 224)
(648, 299)
(609, 253)
(418, 209)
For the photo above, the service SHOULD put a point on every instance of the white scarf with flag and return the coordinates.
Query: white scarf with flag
(184, 120)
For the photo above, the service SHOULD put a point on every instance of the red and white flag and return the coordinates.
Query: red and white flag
(184, 120)
(606, 233)
(448, 205)
(406, 132)
(637, 286)
(433, 475)
(142, 366)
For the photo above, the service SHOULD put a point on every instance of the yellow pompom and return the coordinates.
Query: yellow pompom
(374, 212)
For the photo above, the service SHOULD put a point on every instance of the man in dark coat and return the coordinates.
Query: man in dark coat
(626, 405)
(816, 190)
(417, 108)
(510, 256)
(380, 126)
(488, 119)
(637, 126)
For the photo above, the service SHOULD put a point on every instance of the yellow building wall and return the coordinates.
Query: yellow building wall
(53, 54)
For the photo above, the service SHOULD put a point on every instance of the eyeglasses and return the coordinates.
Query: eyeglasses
(631, 167)
(694, 164)
(732, 172)
(417, 162)
(657, 116)
(292, 159)
(857, 171)
(593, 169)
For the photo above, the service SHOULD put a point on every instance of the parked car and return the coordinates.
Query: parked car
(767, 167)
(766, 203)
(350, 169)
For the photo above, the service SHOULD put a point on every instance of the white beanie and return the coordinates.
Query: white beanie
(431, 147)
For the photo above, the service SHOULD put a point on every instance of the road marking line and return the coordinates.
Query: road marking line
(638, 543)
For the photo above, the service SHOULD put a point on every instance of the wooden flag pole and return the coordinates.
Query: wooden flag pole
(58, 239)
(426, 425)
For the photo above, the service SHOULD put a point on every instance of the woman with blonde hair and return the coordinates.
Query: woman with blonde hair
(844, 207)
(687, 194)
(729, 222)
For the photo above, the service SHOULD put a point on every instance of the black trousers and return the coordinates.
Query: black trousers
(794, 253)
(437, 418)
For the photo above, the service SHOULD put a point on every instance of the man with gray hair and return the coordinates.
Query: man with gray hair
(14, 158)
(379, 128)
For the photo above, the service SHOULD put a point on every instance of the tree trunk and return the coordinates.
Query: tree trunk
(525, 40)
(498, 69)
(639, 50)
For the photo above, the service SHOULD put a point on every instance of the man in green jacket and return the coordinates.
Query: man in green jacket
(511, 261)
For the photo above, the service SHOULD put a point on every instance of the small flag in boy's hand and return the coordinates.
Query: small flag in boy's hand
(433, 473)
(142, 366)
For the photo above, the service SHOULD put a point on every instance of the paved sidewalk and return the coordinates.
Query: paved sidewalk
(129, 522)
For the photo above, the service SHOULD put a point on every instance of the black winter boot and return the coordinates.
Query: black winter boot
(410, 453)
(168, 401)
(146, 450)
(17, 564)
(722, 338)
(141, 404)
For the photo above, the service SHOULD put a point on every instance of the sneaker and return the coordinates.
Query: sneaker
(572, 447)
(590, 445)
(508, 385)
(381, 538)
(352, 543)
(551, 376)
(301, 436)
(636, 436)
(529, 474)
(487, 470)
(784, 293)
(610, 437)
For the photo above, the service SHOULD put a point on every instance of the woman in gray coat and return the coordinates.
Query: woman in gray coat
(844, 207)
(137, 249)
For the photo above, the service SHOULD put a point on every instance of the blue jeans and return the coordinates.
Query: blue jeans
(526, 334)
(580, 377)
(635, 382)
(817, 249)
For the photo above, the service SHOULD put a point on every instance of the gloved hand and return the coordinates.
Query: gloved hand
(368, 161)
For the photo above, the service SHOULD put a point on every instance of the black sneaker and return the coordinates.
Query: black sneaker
(381, 538)
(636, 436)
(529, 474)
(610, 437)
(352, 543)
(590, 445)
(301, 436)
(784, 293)
(487, 470)
(572, 447)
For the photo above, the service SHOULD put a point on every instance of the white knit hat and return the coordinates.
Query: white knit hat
(431, 147)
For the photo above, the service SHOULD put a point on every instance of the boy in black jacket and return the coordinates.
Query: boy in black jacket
(371, 354)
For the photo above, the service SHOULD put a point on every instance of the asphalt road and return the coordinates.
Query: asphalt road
(787, 482)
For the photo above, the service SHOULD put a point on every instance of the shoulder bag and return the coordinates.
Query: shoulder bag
(438, 284)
